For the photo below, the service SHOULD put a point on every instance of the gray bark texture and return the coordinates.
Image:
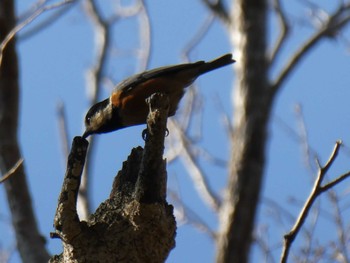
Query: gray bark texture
(30, 243)
(135, 224)
(252, 103)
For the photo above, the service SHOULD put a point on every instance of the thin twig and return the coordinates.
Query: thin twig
(102, 39)
(218, 9)
(336, 181)
(261, 239)
(45, 23)
(62, 123)
(225, 117)
(336, 21)
(303, 135)
(197, 37)
(197, 174)
(11, 171)
(192, 99)
(293, 134)
(317, 190)
(145, 36)
(125, 12)
(341, 229)
(189, 216)
(94, 77)
(309, 233)
(279, 211)
(284, 32)
(26, 22)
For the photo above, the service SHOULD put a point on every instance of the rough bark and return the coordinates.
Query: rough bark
(30, 243)
(251, 108)
(135, 224)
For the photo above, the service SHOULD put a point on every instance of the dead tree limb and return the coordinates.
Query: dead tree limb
(135, 224)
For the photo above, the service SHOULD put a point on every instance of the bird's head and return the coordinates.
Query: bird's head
(101, 118)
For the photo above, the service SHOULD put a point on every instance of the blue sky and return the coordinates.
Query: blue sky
(53, 68)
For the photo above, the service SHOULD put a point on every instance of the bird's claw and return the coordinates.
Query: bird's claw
(145, 133)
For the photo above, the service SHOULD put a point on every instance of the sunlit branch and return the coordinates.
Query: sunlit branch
(11, 171)
(317, 190)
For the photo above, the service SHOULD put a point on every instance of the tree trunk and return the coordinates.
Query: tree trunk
(251, 113)
(30, 243)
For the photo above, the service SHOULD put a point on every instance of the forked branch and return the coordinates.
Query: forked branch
(283, 31)
(317, 190)
(338, 20)
(218, 9)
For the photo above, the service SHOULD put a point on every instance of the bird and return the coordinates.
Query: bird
(126, 106)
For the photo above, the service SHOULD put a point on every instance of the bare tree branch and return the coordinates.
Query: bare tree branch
(339, 19)
(341, 229)
(197, 174)
(218, 9)
(197, 37)
(102, 39)
(93, 83)
(45, 22)
(145, 36)
(138, 9)
(309, 153)
(63, 130)
(261, 240)
(26, 22)
(188, 216)
(279, 211)
(309, 232)
(336, 181)
(284, 32)
(225, 117)
(11, 171)
(317, 190)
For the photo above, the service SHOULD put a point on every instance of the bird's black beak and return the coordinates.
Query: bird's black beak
(86, 134)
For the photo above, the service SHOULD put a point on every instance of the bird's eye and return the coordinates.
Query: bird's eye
(88, 119)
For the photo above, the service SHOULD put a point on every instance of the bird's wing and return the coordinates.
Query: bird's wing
(127, 84)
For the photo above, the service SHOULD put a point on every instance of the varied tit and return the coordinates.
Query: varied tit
(127, 106)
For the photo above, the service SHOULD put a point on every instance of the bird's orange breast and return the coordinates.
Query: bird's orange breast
(131, 103)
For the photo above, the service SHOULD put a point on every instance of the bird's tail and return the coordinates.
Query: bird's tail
(216, 63)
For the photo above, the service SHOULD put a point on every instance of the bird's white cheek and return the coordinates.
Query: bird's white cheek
(100, 118)
(97, 120)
